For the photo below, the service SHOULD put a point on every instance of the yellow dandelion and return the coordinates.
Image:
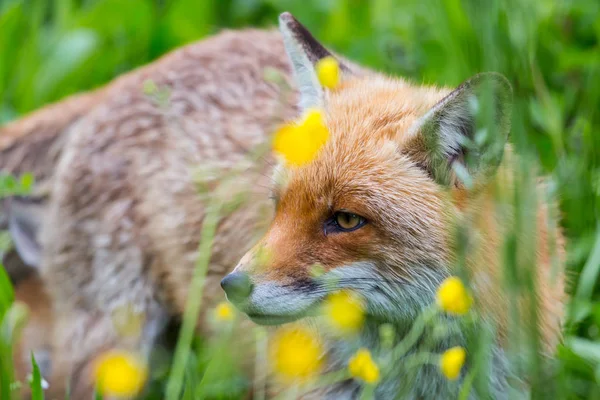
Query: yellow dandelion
(452, 296)
(224, 311)
(362, 366)
(328, 71)
(344, 311)
(296, 354)
(300, 143)
(120, 374)
(451, 362)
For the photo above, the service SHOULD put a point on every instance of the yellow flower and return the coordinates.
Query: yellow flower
(120, 374)
(452, 296)
(299, 143)
(362, 366)
(345, 311)
(224, 311)
(451, 362)
(328, 71)
(296, 354)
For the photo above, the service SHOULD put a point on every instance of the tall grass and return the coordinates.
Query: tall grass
(549, 50)
(12, 315)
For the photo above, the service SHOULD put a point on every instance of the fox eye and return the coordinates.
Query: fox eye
(343, 221)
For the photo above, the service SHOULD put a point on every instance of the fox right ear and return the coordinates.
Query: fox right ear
(451, 139)
(304, 51)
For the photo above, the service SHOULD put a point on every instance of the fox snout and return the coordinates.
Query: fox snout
(268, 298)
(237, 286)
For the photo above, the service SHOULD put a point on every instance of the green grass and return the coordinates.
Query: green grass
(12, 315)
(549, 50)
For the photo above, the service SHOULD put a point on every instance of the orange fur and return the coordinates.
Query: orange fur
(369, 168)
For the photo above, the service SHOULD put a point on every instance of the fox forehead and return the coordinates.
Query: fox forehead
(362, 167)
(377, 107)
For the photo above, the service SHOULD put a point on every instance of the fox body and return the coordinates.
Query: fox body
(119, 183)
(378, 207)
(122, 216)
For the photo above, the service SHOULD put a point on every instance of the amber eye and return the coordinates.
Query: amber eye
(343, 221)
(347, 221)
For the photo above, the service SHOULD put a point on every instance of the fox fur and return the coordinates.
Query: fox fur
(122, 215)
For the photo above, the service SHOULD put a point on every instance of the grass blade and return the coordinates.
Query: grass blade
(192, 310)
(37, 392)
(7, 294)
(590, 272)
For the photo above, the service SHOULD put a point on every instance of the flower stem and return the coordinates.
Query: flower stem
(465, 390)
(368, 392)
(260, 378)
(194, 302)
(414, 334)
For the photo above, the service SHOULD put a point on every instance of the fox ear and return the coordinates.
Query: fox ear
(304, 51)
(463, 136)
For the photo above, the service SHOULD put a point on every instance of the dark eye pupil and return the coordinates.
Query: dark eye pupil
(347, 220)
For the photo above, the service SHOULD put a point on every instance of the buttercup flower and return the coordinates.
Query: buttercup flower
(224, 311)
(362, 366)
(452, 296)
(451, 362)
(344, 311)
(120, 374)
(328, 71)
(299, 143)
(296, 354)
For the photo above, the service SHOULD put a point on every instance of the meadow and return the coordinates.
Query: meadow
(549, 51)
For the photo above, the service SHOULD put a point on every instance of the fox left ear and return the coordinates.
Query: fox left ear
(304, 51)
(463, 136)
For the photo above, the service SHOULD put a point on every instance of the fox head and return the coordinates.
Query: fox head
(374, 209)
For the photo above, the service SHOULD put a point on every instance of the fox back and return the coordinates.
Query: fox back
(131, 170)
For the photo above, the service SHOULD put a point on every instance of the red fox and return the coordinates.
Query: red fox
(120, 219)
(376, 209)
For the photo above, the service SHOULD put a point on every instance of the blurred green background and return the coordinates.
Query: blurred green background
(548, 49)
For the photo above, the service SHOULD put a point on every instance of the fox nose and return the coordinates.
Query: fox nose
(237, 286)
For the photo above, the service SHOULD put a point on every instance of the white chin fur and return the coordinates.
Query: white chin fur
(389, 297)
(274, 299)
